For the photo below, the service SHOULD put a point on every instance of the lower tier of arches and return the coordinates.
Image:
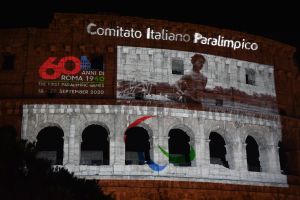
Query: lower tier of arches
(135, 142)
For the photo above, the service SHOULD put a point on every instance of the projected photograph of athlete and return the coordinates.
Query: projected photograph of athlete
(190, 87)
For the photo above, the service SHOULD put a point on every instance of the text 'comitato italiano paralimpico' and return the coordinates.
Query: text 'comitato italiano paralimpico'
(164, 34)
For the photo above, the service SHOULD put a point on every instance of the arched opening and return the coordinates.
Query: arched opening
(94, 146)
(282, 158)
(252, 155)
(50, 143)
(179, 148)
(217, 149)
(137, 146)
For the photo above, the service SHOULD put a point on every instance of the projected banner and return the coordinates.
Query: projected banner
(72, 75)
(182, 78)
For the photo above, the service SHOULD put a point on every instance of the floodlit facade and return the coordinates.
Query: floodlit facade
(147, 104)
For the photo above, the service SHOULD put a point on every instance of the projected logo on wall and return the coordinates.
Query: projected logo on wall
(179, 78)
(72, 75)
(173, 159)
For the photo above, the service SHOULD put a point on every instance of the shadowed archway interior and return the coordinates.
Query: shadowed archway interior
(252, 154)
(95, 146)
(137, 146)
(217, 150)
(50, 143)
(179, 146)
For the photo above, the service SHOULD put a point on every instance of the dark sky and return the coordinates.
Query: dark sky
(277, 20)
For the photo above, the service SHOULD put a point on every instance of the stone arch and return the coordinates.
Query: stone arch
(183, 127)
(223, 133)
(33, 131)
(95, 144)
(44, 125)
(149, 130)
(81, 123)
(266, 139)
(177, 133)
(253, 154)
(50, 144)
(260, 134)
(88, 123)
(231, 140)
(189, 131)
(217, 149)
(220, 128)
(138, 154)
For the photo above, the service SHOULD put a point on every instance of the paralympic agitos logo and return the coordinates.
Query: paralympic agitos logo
(174, 159)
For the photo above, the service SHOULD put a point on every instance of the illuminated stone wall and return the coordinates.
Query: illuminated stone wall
(73, 119)
(66, 35)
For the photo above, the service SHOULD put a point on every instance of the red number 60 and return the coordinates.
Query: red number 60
(58, 69)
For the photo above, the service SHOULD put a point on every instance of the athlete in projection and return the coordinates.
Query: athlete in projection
(190, 87)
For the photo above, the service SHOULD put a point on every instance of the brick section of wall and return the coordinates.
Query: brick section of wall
(169, 190)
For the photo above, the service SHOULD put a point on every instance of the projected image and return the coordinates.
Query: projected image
(71, 75)
(183, 78)
(190, 86)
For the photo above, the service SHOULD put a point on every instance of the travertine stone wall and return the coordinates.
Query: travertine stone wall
(73, 119)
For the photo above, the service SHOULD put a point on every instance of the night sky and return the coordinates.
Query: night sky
(277, 20)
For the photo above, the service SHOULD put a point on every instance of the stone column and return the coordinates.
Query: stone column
(269, 158)
(66, 150)
(74, 142)
(229, 156)
(198, 148)
(159, 157)
(119, 143)
(112, 142)
(162, 141)
(243, 165)
(203, 153)
(202, 148)
(25, 123)
(236, 156)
